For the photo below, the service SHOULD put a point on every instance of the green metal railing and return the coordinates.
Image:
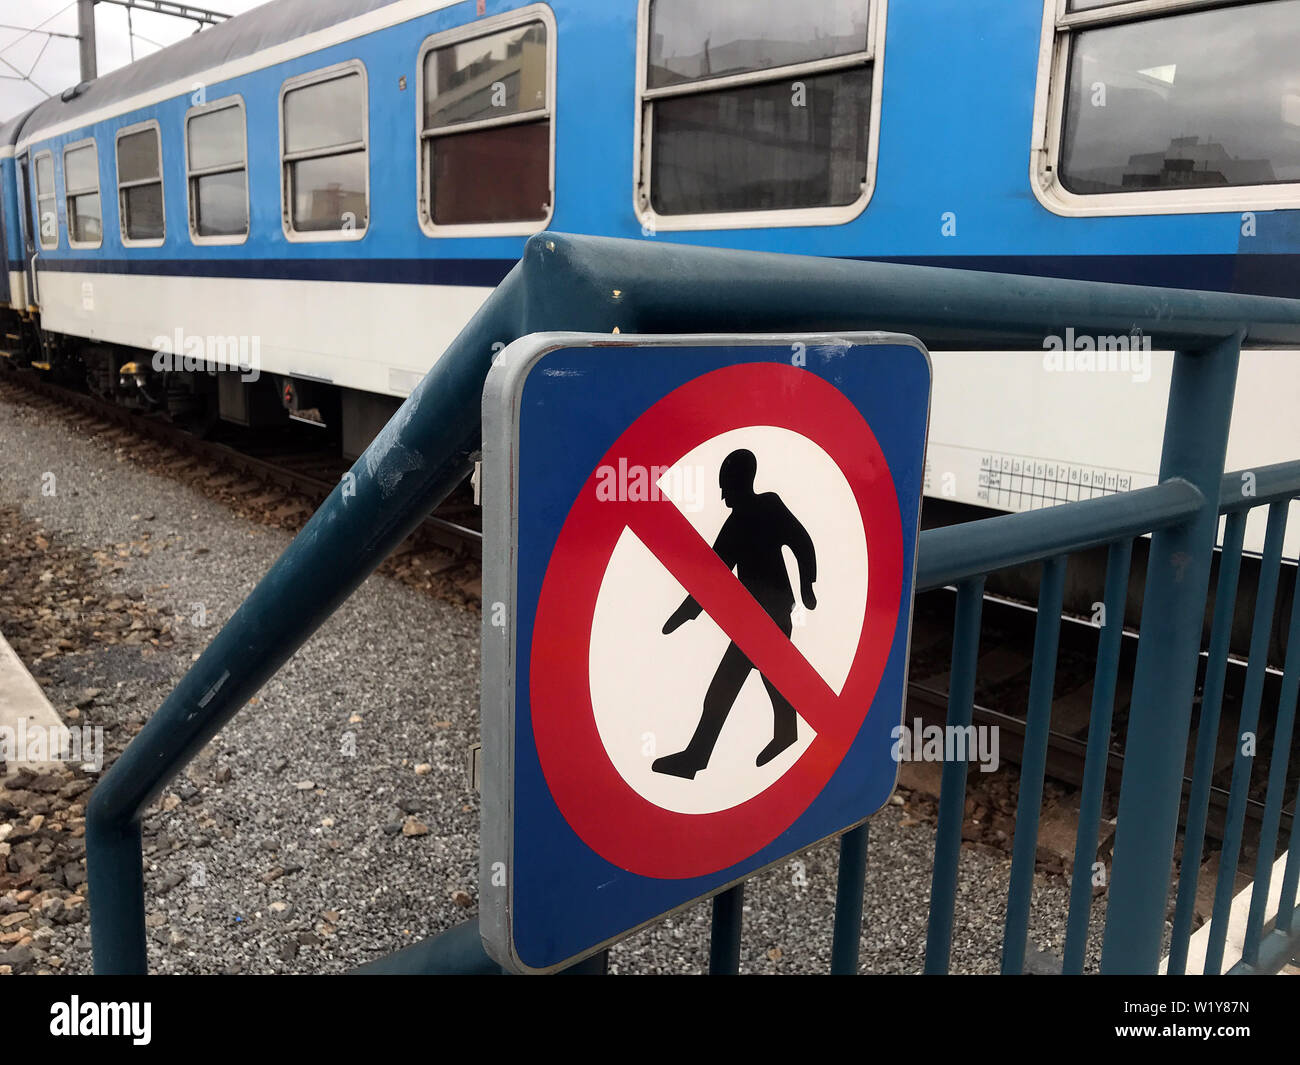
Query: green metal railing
(599, 285)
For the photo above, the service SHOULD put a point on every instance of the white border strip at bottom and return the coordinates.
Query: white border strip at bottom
(1232, 947)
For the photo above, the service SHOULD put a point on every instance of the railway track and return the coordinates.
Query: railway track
(1002, 687)
(288, 462)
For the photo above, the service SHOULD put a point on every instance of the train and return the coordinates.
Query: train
(290, 215)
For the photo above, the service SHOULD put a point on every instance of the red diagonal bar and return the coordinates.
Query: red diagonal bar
(675, 542)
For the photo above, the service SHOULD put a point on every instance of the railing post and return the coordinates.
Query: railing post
(728, 920)
(116, 855)
(846, 939)
(1173, 611)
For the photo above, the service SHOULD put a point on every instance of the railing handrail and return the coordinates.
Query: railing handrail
(592, 284)
(1255, 486)
(957, 552)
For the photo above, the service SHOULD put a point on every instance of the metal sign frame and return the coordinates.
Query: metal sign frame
(503, 396)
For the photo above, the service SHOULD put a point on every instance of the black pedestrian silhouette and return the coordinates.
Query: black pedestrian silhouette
(750, 542)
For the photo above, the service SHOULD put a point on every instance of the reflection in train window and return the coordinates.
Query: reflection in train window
(81, 195)
(1149, 107)
(47, 214)
(485, 130)
(690, 41)
(139, 185)
(216, 170)
(323, 148)
(756, 105)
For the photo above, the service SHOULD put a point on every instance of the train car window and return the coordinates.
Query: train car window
(486, 154)
(47, 214)
(81, 195)
(216, 154)
(323, 148)
(690, 41)
(139, 185)
(1147, 115)
(757, 106)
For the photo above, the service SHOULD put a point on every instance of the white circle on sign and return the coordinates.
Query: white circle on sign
(647, 688)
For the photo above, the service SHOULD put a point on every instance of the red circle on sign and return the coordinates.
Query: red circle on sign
(600, 806)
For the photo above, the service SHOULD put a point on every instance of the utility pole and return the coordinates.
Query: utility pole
(86, 39)
(86, 24)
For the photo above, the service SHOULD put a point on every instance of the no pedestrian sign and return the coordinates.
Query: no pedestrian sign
(698, 567)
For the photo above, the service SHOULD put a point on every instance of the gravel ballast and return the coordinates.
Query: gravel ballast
(332, 821)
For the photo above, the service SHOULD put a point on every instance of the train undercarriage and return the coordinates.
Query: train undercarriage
(197, 390)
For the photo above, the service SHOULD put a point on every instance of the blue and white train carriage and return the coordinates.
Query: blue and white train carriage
(340, 184)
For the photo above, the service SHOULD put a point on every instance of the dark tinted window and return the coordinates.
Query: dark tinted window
(748, 149)
(1197, 100)
(494, 175)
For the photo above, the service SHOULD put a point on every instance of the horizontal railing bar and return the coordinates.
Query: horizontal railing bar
(1243, 489)
(957, 552)
(695, 289)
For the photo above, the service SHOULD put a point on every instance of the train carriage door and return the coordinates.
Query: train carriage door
(6, 297)
(28, 216)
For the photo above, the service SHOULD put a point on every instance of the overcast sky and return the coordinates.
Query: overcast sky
(58, 68)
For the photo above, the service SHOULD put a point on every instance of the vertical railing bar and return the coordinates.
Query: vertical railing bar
(1033, 763)
(1097, 759)
(952, 791)
(1286, 908)
(1207, 738)
(1278, 764)
(1235, 816)
(846, 940)
(724, 942)
(1197, 418)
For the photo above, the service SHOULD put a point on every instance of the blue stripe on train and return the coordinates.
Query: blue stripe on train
(485, 273)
